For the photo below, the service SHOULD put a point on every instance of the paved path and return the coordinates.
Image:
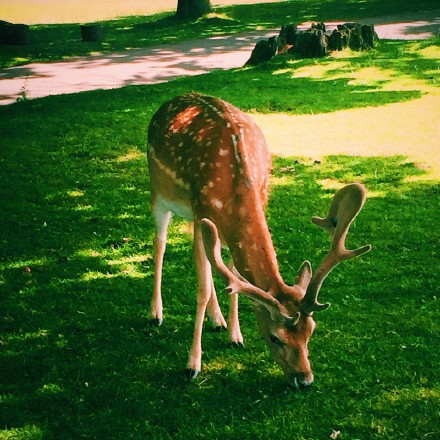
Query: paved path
(155, 65)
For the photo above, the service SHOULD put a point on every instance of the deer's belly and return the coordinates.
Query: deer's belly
(180, 207)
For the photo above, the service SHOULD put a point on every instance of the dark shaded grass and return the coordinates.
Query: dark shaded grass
(77, 358)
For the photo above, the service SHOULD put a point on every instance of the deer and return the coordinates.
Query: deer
(209, 163)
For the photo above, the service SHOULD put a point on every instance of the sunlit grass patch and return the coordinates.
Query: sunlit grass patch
(75, 193)
(430, 52)
(134, 154)
(50, 389)
(28, 432)
(323, 70)
(125, 270)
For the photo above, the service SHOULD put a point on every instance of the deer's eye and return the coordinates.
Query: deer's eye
(276, 341)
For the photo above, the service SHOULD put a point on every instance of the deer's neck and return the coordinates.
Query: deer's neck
(249, 240)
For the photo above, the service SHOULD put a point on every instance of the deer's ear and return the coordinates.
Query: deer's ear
(304, 275)
(277, 311)
(291, 321)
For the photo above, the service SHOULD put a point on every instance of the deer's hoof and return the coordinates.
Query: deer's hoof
(219, 328)
(191, 374)
(155, 322)
(236, 344)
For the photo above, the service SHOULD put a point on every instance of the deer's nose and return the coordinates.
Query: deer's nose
(300, 380)
(305, 379)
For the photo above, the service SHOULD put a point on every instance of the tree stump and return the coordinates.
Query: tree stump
(356, 40)
(360, 37)
(288, 33)
(319, 26)
(370, 36)
(337, 40)
(315, 42)
(15, 34)
(91, 33)
(311, 43)
(263, 51)
(192, 9)
(3, 25)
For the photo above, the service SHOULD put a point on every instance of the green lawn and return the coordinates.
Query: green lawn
(77, 358)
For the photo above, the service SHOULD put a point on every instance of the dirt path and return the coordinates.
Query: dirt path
(155, 65)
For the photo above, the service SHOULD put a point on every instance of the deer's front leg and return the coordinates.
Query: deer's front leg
(162, 218)
(235, 335)
(214, 311)
(204, 290)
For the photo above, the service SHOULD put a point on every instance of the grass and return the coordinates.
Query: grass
(62, 41)
(77, 359)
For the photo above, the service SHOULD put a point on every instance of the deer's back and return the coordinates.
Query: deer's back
(209, 153)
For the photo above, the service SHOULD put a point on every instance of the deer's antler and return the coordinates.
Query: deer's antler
(344, 208)
(236, 282)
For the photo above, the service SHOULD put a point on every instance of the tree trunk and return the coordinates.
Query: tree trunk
(15, 34)
(192, 8)
(91, 33)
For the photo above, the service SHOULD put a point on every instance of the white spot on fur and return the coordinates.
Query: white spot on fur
(217, 204)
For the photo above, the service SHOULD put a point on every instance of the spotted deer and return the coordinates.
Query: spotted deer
(209, 163)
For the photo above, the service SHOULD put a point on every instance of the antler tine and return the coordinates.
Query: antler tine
(345, 206)
(236, 282)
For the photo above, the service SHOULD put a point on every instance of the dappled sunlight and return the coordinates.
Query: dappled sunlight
(335, 185)
(93, 253)
(50, 389)
(36, 335)
(327, 70)
(75, 193)
(28, 265)
(374, 77)
(280, 181)
(430, 52)
(25, 432)
(130, 259)
(83, 208)
(331, 184)
(127, 271)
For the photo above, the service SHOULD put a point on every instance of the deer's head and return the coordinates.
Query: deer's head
(284, 316)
